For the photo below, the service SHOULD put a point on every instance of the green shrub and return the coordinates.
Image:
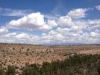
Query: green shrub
(2, 72)
(10, 70)
(31, 70)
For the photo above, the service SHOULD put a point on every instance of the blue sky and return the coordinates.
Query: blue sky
(50, 21)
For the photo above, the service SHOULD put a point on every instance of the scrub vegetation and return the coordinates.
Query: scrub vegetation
(74, 65)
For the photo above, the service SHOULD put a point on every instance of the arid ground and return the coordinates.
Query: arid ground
(20, 54)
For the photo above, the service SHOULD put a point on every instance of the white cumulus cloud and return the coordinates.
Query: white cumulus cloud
(98, 7)
(71, 28)
(32, 21)
(3, 30)
(77, 13)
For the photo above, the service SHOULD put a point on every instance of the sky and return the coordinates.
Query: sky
(50, 21)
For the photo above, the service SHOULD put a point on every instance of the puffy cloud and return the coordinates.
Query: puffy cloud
(13, 34)
(13, 37)
(77, 13)
(98, 7)
(22, 36)
(95, 35)
(65, 21)
(78, 31)
(3, 30)
(52, 23)
(71, 28)
(32, 21)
